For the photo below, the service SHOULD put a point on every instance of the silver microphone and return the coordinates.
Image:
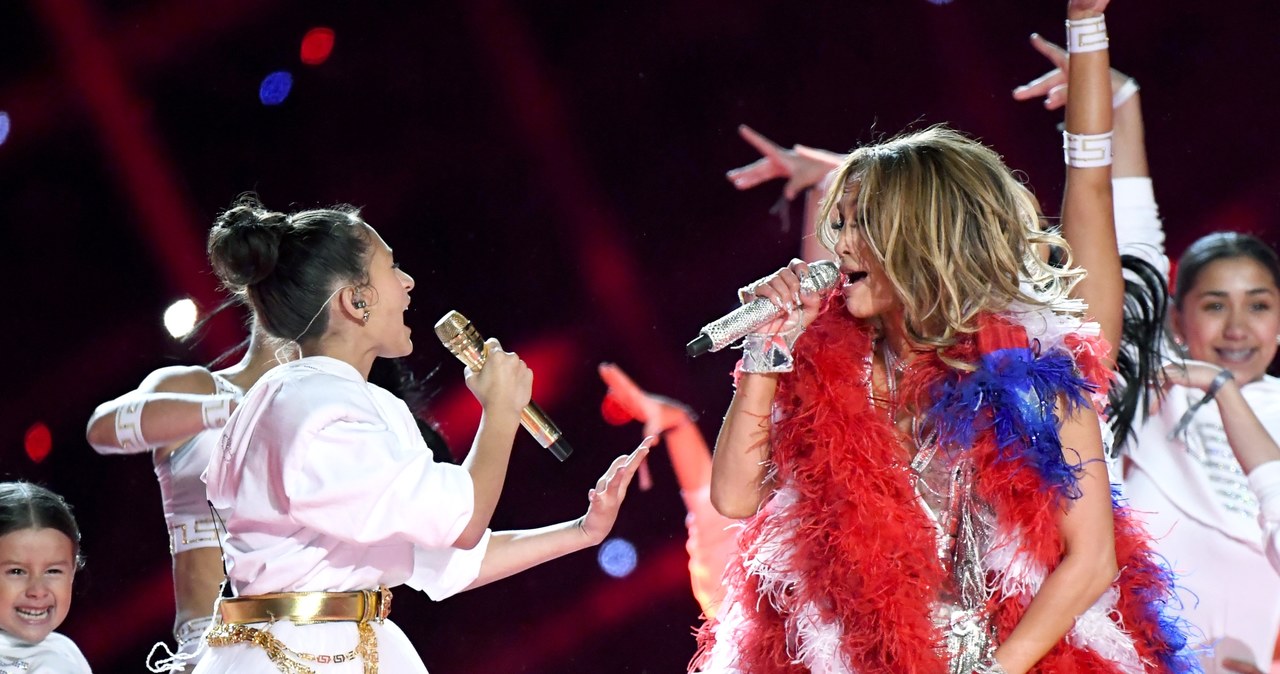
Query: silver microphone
(748, 318)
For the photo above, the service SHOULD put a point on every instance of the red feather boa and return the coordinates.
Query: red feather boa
(869, 551)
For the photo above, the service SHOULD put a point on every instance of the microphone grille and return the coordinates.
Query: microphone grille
(462, 339)
(822, 276)
(450, 326)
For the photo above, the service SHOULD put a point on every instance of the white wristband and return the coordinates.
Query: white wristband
(215, 410)
(1124, 93)
(129, 426)
(1086, 35)
(1086, 150)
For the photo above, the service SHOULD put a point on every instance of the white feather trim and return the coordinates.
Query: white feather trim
(1097, 629)
(1049, 327)
(811, 640)
(1014, 573)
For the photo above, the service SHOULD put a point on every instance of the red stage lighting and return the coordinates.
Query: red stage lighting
(317, 44)
(38, 441)
(614, 413)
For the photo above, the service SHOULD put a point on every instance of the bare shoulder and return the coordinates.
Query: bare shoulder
(192, 379)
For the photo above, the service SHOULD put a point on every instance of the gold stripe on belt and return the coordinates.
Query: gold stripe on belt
(302, 608)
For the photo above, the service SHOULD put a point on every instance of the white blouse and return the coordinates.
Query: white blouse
(325, 483)
(56, 654)
(1265, 482)
(1198, 470)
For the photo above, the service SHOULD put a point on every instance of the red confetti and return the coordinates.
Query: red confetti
(38, 441)
(316, 46)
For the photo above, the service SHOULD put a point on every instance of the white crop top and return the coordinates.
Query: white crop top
(186, 506)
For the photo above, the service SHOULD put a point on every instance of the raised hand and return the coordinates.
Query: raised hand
(1053, 84)
(609, 492)
(802, 166)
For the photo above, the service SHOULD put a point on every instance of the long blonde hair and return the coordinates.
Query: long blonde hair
(957, 234)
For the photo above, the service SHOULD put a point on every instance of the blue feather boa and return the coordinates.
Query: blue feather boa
(1014, 393)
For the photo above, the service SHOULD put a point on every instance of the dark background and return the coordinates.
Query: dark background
(551, 169)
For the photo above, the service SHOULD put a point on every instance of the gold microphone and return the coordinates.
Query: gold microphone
(460, 337)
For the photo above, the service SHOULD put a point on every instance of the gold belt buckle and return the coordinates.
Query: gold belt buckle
(384, 603)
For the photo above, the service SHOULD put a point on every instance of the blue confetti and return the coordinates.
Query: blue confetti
(617, 557)
(275, 88)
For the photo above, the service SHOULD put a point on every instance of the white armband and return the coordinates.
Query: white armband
(215, 410)
(129, 426)
(1086, 150)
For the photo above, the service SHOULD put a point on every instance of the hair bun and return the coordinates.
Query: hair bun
(244, 243)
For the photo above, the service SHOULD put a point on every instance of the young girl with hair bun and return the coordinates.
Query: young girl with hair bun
(329, 494)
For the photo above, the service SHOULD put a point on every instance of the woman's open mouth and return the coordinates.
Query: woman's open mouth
(854, 277)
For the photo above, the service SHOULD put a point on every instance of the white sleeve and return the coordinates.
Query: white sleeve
(1139, 230)
(444, 572)
(345, 473)
(1265, 483)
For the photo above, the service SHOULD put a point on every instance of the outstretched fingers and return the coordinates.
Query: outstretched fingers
(1052, 51)
(613, 484)
(763, 145)
(773, 161)
(1046, 83)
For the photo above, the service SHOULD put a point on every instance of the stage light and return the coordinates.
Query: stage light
(939, 2)
(38, 441)
(4, 127)
(275, 88)
(617, 557)
(180, 318)
(317, 44)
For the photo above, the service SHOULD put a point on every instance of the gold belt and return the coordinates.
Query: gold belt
(302, 608)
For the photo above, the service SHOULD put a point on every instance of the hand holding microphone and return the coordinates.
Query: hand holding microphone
(504, 382)
(772, 299)
(461, 338)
